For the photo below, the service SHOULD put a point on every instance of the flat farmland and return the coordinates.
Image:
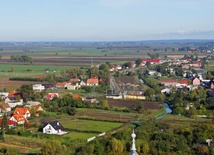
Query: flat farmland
(105, 115)
(15, 70)
(133, 103)
(90, 125)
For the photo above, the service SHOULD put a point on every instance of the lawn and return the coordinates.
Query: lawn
(89, 125)
(79, 135)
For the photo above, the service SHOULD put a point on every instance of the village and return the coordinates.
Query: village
(181, 74)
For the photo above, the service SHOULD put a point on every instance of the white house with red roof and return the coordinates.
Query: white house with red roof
(50, 96)
(61, 85)
(18, 118)
(23, 111)
(74, 80)
(93, 81)
(152, 61)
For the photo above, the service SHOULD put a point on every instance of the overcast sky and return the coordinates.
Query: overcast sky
(105, 20)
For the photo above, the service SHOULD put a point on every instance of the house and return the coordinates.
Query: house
(33, 103)
(10, 123)
(73, 86)
(3, 95)
(196, 81)
(90, 99)
(48, 86)
(134, 96)
(61, 85)
(169, 83)
(15, 94)
(13, 103)
(151, 72)
(115, 68)
(82, 83)
(53, 128)
(211, 84)
(18, 118)
(165, 91)
(38, 109)
(38, 87)
(74, 80)
(93, 81)
(23, 111)
(76, 96)
(184, 82)
(151, 61)
(50, 96)
(4, 107)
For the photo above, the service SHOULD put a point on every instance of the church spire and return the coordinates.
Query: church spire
(133, 150)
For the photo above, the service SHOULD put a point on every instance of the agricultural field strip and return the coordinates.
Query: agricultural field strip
(89, 125)
(80, 135)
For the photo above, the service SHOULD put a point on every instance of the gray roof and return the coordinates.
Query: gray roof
(56, 125)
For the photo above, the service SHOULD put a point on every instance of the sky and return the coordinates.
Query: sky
(106, 20)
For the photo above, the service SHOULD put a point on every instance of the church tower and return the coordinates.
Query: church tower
(133, 150)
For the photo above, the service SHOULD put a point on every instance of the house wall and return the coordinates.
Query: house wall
(13, 104)
(27, 114)
(20, 122)
(48, 129)
(196, 81)
(134, 97)
(212, 86)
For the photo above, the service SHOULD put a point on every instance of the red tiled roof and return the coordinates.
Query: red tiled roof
(153, 60)
(184, 82)
(50, 96)
(21, 111)
(93, 80)
(76, 96)
(74, 80)
(61, 84)
(19, 117)
(14, 93)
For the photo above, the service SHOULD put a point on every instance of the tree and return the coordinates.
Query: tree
(4, 126)
(149, 92)
(127, 65)
(11, 68)
(104, 104)
(27, 92)
(138, 62)
(148, 64)
(53, 147)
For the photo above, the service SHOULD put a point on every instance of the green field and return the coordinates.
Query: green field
(21, 70)
(89, 125)
(79, 135)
